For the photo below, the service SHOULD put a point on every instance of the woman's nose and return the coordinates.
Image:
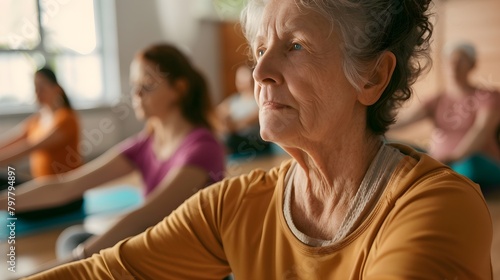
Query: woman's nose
(267, 71)
(137, 91)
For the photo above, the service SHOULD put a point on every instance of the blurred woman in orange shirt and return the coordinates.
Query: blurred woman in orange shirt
(50, 137)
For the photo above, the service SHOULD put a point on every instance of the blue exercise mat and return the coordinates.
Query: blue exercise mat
(95, 201)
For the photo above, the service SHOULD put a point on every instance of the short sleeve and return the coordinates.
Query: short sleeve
(489, 100)
(206, 153)
(185, 245)
(442, 229)
(131, 147)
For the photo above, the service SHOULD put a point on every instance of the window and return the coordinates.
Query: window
(60, 34)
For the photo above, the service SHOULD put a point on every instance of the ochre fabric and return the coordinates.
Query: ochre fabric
(429, 223)
(60, 157)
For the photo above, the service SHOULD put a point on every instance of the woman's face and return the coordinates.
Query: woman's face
(301, 89)
(152, 93)
(46, 92)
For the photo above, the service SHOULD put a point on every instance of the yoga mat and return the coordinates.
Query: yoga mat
(96, 201)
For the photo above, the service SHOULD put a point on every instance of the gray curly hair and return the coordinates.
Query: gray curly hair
(368, 28)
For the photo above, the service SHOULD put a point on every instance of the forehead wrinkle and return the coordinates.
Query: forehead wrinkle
(303, 21)
(282, 29)
(270, 20)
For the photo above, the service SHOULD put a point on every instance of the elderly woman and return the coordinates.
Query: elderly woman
(466, 120)
(328, 76)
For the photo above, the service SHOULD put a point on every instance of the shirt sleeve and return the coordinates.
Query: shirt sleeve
(489, 100)
(208, 154)
(185, 245)
(424, 235)
(132, 147)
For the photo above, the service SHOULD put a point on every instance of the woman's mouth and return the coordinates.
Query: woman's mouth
(274, 105)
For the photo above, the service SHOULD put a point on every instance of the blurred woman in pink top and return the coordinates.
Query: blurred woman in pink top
(177, 154)
(466, 120)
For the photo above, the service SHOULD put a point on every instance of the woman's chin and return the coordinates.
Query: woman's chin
(273, 134)
(140, 116)
(276, 128)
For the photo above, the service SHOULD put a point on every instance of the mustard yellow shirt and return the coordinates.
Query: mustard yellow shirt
(429, 223)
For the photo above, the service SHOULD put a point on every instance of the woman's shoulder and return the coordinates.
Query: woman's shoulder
(65, 112)
(420, 176)
(66, 117)
(134, 142)
(201, 133)
(423, 191)
(258, 181)
(201, 136)
(488, 97)
(254, 190)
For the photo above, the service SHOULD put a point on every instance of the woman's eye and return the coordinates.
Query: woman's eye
(296, 47)
(260, 53)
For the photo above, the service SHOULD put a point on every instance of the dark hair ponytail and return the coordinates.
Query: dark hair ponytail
(51, 76)
(172, 65)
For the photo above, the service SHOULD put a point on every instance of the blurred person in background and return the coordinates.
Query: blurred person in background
(238, 117)
(50, 137)
(466, 119)
(177, 153)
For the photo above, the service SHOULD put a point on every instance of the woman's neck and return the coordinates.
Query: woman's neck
(168, 133)
(330, 168)
(49, 109)
(459, 88)
(327, 181)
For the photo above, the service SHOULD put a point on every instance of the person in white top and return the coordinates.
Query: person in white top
(238, 117)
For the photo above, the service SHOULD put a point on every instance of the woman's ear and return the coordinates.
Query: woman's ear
(378, 80)
(181, 85)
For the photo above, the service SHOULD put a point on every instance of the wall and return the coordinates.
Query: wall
(478, 22)
(139, 24)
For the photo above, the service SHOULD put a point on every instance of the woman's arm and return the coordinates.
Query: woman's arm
(175, 188)
(485, 126)
(23, 147)
(55, 190)
(184, 245)
(15, 135)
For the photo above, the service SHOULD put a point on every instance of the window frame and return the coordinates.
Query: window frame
(106, 50)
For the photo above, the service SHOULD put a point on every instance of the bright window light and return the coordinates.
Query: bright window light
(71, 26)
(60, 34)
(19, 28)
